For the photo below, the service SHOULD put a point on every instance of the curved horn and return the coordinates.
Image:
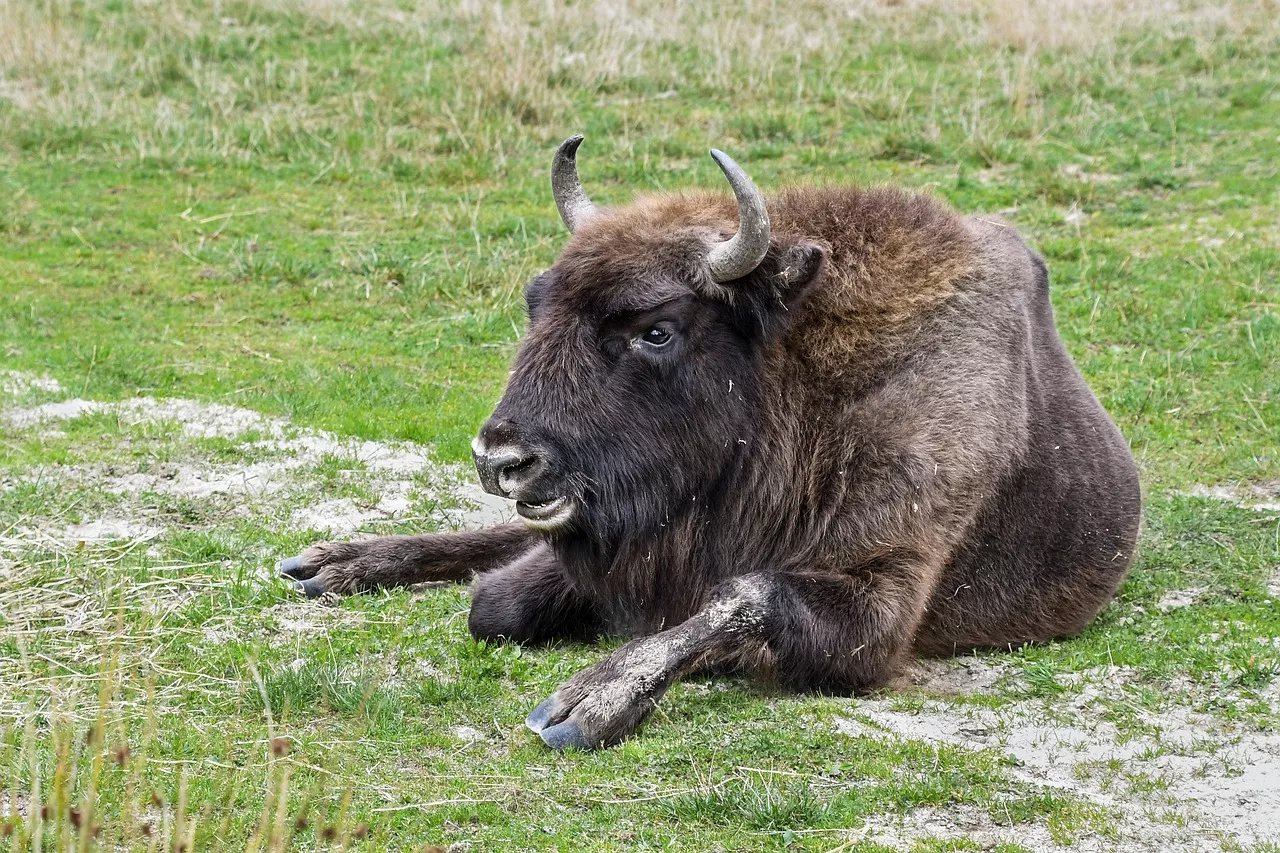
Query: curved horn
(572, 202)
(743, 252)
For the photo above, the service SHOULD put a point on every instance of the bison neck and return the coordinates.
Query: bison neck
(643, 583)
(764, 512)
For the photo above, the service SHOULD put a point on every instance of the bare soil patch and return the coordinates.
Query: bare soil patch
(1264, 497)
(394, 471)
(1180, 779)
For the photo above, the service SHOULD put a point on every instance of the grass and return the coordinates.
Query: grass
(324, 211)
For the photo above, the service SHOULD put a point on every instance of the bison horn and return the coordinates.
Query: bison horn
(572, 202)
(743, 252)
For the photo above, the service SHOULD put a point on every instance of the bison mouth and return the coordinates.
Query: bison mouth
(547, 515)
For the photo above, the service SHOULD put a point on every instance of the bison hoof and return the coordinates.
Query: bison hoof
(541, 716)
(303, 577)
(605, 704)
(561, 736)
(573, 719)
(313, 588)
(293, 569)
(566, 736)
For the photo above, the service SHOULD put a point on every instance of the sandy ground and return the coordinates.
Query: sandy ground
(1259, 496)
(393, 470)
(1186, 781)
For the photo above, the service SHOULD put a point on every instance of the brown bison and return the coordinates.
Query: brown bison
(808, 436)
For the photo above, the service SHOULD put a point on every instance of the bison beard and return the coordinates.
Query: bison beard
(806, 436)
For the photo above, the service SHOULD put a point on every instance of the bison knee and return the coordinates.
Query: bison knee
(530, 607)
(493, 615)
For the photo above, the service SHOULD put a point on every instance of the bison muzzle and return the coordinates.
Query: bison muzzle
(806, 436)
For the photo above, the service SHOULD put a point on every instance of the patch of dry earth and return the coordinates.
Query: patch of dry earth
(287, 450)
(1180, 779)
(1263, 497)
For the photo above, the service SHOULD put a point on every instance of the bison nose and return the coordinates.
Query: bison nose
(504, 469)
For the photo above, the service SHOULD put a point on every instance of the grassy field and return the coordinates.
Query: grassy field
(260, 271)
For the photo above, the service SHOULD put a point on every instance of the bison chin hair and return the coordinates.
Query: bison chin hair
(654, 477)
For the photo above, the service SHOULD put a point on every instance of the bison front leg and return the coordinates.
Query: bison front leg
(391, 561)
(530, 601)
(807, 631)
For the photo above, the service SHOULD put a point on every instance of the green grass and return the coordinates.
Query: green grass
(326, 211)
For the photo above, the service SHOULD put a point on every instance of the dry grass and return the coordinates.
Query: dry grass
(68, 65)
(83, 717)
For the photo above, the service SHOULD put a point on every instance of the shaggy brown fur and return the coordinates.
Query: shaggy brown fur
(873, 444)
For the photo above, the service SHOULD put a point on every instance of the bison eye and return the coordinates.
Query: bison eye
(656, 337)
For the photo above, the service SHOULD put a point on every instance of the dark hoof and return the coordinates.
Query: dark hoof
(311, 588)
(566, 736)
(290, 568)
(540, 716)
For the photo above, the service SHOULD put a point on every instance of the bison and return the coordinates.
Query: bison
(806, 436)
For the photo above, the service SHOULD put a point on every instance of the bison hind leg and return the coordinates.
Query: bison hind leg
(1039, 565)
(344, 568)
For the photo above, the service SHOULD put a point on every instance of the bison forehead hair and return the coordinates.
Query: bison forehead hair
(649, 248)
(856, 264)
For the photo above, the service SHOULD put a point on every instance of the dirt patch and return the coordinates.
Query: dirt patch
(393, 471)
(16, 384)
(1080, 173)
(343, 516)
(955, 823)
(307, 619)
(60, 411)
(9, 805)
(106, 529)
(1179, 777)
(1263, 497)
(468, 735)
(953, 677)
(1176, 599)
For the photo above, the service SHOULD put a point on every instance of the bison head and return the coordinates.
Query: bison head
(639, 390)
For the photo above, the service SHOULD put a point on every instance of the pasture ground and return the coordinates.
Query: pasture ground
(260, 270)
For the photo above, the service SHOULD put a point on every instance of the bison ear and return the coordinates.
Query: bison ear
(772, 298)
(798, 267)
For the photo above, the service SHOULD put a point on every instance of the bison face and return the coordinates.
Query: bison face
(611, 416)
(637, 389)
